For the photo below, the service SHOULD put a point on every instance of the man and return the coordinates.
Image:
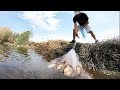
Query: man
(82, 20)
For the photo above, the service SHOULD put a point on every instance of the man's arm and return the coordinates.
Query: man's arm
(75, 26)
(75, 23)
(76, 29)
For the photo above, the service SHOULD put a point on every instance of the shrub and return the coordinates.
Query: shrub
(5, 35)
(23, 38)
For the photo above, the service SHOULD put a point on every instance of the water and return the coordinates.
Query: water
(22, 63)
(27, 65)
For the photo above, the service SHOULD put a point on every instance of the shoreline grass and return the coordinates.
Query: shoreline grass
(103, 56)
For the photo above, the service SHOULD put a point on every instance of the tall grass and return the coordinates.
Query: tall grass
(51, 49)
(102, 56)
(6, 35)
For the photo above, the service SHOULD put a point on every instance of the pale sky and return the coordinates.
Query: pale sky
(58, 25)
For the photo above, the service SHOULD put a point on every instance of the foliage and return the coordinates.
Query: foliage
(6, 35)
(23, 38)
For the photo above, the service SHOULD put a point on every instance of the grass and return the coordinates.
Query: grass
(4, 48)
(51, 49)
(102, 56)
(9, 39)
(5, 35)
(106, 55)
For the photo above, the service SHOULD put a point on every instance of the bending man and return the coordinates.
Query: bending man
(82, 20)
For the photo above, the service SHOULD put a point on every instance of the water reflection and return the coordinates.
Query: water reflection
(17, 65)
(22, 50)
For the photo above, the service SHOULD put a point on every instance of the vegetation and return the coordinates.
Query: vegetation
(6, 35)
(51, 49)
(103, 56)
(106, 55)
(23, 38)
(9, 38)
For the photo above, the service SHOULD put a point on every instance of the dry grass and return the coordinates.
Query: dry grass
(51, 49)
(4, 48)
(106, 55)
(6, 35)
(102, 56)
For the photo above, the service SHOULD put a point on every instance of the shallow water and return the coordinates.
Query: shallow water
(22, 63)
(27, 65)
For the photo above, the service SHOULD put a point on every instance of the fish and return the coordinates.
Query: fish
(68, 70)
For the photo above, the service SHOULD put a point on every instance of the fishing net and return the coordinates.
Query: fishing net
(69, 64)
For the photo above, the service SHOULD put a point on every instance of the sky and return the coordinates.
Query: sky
(58, 25)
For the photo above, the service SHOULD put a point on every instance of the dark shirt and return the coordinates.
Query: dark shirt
(81, 18)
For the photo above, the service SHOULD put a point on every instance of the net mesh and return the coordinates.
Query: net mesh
(70, 65)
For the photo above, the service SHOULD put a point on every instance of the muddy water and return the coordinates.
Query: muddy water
(22, 63)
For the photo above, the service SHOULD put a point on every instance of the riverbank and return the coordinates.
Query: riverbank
(90, 55)
(102, 56)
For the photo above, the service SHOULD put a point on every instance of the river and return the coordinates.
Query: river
(22, 63)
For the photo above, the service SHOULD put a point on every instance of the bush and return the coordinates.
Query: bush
(5, 35)
(23, 38)
(102, 56)
(105, 55)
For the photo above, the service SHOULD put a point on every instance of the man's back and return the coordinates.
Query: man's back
(81, 18)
